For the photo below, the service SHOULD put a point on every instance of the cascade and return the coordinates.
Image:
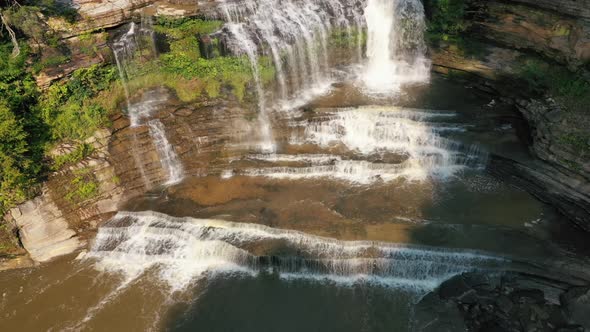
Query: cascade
(168, 157)
(249, 47)
(411, 140)
(395, 45)
(126, 49)
(185, 249)
(295, 36)
(129, 46)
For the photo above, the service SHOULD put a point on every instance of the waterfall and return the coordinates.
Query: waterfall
(168, 157)
(129, 46)
(249, 47)
(295, 36)
(185, 249)
(395, 45)
(142, 113)
(126, 49)
(407, 143)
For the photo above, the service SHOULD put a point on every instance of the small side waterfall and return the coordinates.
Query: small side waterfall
(168, 157)
(126, 49)
(185, 249)
(395, 45)
(249, 47)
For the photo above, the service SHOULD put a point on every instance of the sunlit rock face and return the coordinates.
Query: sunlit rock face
(101, 14)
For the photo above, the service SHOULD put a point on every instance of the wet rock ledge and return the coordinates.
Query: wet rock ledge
(477, 301)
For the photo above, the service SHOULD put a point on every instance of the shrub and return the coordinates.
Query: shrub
(181, 27)
(343, 38)
(447, 19)
(82, 187)
(570, 89)
(17, 170)
(71, 109)
(78, 154)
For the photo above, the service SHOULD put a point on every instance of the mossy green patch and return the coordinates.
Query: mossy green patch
(82, 187)
(342, 38)
(72, 108)
(569, 88)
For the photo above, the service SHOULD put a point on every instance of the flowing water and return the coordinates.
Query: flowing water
(341, 216)
(395, 45)
(139, 41)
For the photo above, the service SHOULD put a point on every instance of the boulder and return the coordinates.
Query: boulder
(577, 303)
(43, 231)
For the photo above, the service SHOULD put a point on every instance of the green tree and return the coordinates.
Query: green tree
(15, 166)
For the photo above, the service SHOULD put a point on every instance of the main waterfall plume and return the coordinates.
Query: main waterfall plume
(395, 45)
(296, 36)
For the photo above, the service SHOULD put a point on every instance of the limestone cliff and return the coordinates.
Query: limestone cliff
(56, 222)
(502, 36)
(125, 164)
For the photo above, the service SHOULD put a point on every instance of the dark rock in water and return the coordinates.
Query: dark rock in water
(577, 304)
(503, 303)
(528, 296)
(435, 315)
(268, 217)
(384, 158)
(338, 85)
(455, 288)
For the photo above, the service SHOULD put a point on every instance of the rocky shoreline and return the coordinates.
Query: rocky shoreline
(504, 302)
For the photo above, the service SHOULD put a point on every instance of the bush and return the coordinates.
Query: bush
(570, 89)
(17, 170)
(181, 27)
(447, 20)
(82, 187)
(21, 131)
(184, 61)
(342, 38)
(71, 109)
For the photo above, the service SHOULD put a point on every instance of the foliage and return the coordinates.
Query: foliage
(50, 61)
(8, 241)
(20, 128)
(28, 20)
(235, 71)
(447, 20)
(82, 187)
(570, 89)
(347, 38)
(579, 141)
(184, 60)
(17, 87)
(58, 9)
(181, 27)
(70, 109)
(17, 170)
(78, 154)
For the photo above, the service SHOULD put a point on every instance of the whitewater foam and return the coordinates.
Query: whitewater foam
(410, 136)
(185, 249)
(168, 157)
(395, 45)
